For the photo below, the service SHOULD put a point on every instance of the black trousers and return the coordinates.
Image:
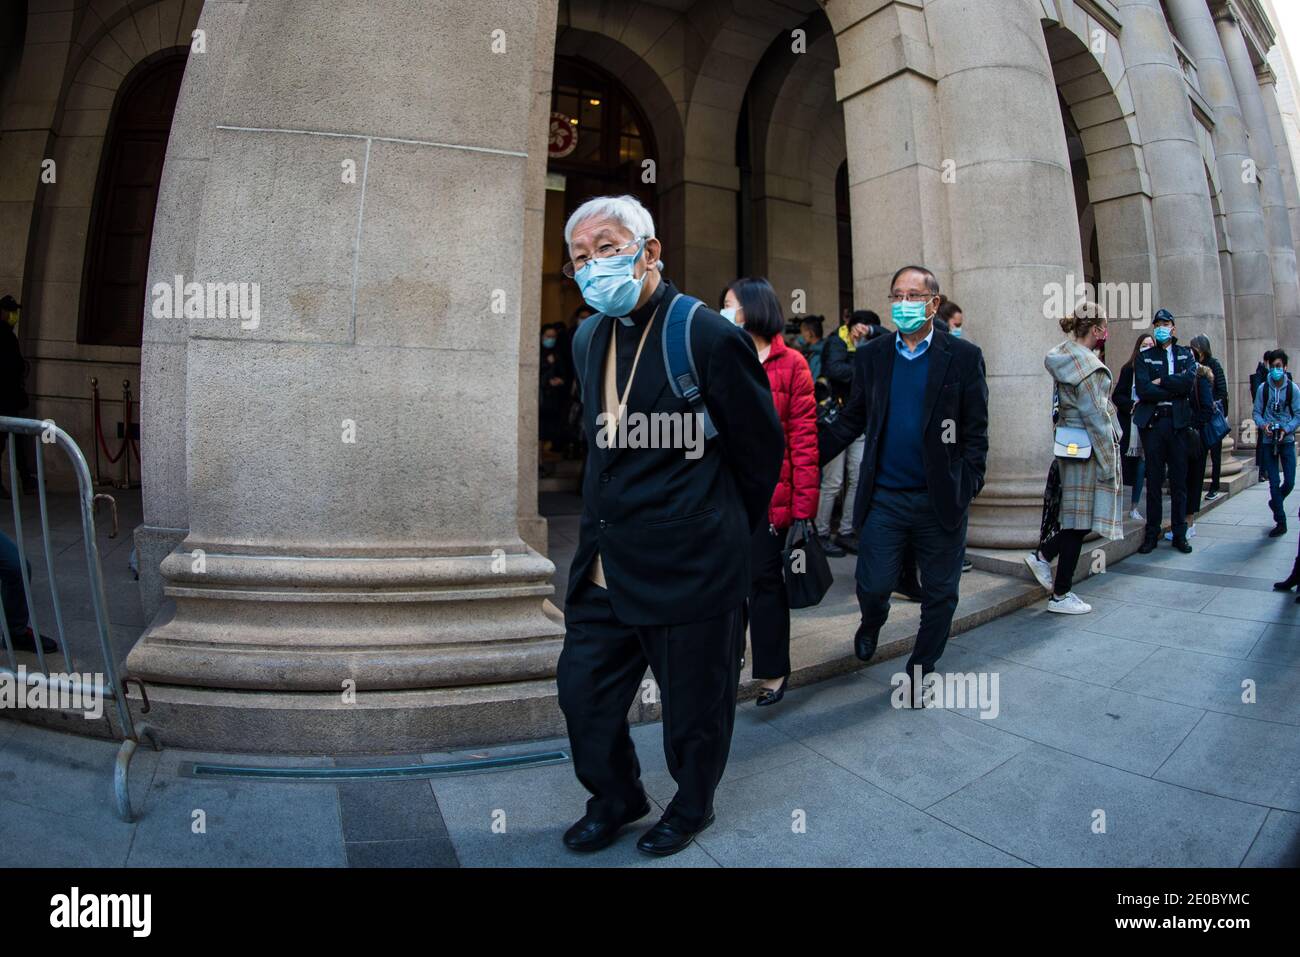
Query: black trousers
(769, 606)
(1067, 543)
(1166, 453)
(895, 520)
(600, 672)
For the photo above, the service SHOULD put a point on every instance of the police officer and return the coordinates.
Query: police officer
(1165, 375)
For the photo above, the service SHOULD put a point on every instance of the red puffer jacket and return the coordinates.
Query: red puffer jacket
(795, 496)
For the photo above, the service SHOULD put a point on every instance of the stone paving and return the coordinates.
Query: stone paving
(1132, 716)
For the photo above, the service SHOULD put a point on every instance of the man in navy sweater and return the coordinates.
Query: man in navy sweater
(921, 399)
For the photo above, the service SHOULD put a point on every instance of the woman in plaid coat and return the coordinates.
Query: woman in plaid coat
(1092, 497)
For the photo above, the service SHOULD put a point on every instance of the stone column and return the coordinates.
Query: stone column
(353, 578)
(1254, 324)
(1012, 160)
(1187, 259)
(1277, 221)
(1268, 91)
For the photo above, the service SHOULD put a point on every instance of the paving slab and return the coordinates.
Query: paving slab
(1221, 756)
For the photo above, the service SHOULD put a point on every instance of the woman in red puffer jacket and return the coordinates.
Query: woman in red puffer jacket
(752, 305)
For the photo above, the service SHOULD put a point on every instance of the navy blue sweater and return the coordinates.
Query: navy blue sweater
(901, 464)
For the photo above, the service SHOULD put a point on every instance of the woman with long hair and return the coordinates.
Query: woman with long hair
(752, 304)
(1219, 388)
(1090, 494)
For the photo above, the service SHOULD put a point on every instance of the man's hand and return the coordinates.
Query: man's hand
(859, 331)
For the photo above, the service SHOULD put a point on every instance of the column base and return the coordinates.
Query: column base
(270, 722)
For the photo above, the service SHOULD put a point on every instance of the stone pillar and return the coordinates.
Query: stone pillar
(353, 578)
(1013, 160)
(1269, 93)
(1277, 221)
(1254, 326)
(886, 83)
(1187, 258)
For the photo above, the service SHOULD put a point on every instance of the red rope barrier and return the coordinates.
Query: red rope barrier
(99, 434)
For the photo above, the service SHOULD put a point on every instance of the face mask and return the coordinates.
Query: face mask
(608, 285)
(1162, 334)
(1277, 375)
(549, 342)
(956, 331)
(730, 315)
(909, 316)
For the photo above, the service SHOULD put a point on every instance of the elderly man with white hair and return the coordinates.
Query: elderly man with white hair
(661, 572)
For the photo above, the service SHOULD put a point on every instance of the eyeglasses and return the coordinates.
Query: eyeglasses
(603, 251)
(912, 297)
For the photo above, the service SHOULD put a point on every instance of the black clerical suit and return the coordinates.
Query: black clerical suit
(1163, 414)
(673, 534)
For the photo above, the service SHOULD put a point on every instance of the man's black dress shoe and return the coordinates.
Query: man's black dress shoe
(1183, 545)
(848, 543)
(594, 833)
(1148, 545)
(669, 836)
(864, 643)
(1278, 530)
(26, 641)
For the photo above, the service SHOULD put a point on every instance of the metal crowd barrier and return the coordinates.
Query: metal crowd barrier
(64, 684)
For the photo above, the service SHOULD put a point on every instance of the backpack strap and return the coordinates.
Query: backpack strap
(582, 345)
(679, 360)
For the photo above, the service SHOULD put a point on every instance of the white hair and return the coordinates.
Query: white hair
(627, 211)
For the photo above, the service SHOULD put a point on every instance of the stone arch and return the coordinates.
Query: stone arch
(647, 85)
(1088, 68)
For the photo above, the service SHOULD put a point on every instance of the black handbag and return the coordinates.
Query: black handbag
(1216, 429)
(807, 572)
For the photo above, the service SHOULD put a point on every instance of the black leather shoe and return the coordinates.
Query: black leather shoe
(1148, 545)
(594, 833)
(1183, 546)
(27, 642)
(831, 549)
(864, 643)
(847, 543)
(669, 836)
(768, 696)
(1291, 580)
(1278, 530)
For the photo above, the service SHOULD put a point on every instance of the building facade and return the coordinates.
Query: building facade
(340, 469)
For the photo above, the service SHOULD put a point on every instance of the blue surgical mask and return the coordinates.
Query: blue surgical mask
(608, 285)
(1277, 375)
(549, 342)
(909, 316)
(1162, 334)
(730, 315)
(956, 331)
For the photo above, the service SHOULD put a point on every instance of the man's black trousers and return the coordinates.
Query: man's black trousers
(898, 519)
(696, 668)
(1166, 453)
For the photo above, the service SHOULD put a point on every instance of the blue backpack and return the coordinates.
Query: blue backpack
(679, 361)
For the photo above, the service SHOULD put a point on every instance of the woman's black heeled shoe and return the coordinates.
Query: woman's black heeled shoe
(767, 696)
(1291, 580)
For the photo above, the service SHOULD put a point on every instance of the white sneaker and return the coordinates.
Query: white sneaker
(1042, 570)
(1136, 516)
(1071, 604)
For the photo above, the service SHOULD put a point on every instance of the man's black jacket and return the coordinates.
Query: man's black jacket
(1153, 364)
(956, 408)
(837, 366)
(674, 533)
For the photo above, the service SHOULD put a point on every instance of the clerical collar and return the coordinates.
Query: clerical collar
(639, 317)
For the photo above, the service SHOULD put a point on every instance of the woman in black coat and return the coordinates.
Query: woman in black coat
(1201, 348)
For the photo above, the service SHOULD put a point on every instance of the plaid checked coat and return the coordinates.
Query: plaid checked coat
(1092, 495)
